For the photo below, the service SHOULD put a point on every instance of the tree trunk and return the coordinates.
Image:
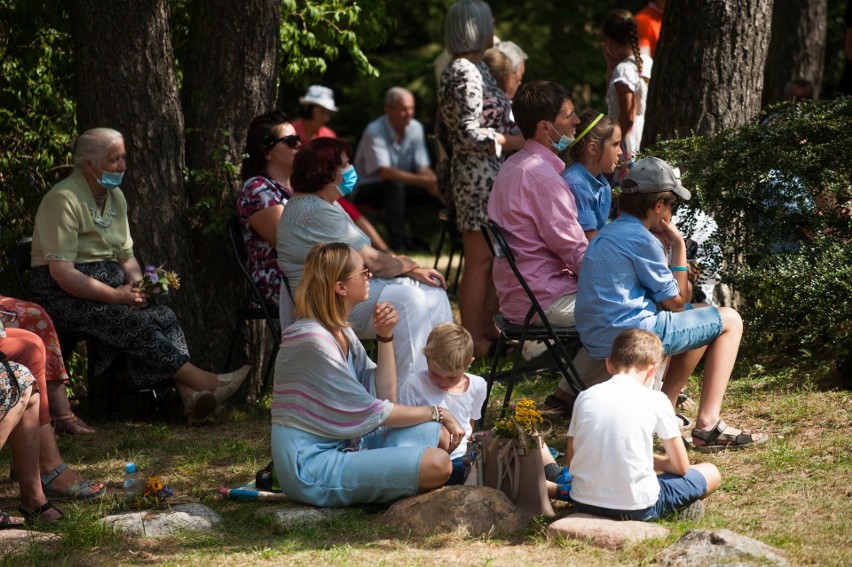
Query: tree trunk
(125, 79)
(708, 75)
(229, 78)
(797, 48)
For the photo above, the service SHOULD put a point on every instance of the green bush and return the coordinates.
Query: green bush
(780, 190)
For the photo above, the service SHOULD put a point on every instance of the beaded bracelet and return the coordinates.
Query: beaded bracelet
(382, 339)
(680, 269)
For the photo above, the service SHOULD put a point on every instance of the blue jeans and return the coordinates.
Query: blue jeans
(325, 472)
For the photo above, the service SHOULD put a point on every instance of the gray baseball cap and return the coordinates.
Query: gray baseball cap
(653, 175)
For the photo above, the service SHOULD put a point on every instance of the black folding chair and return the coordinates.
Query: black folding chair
(22, 260)
(553, 336)
(254, 305)
(449, 230)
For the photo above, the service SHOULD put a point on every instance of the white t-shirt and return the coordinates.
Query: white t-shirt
(613, 427)
(627, 73)
(418, 390)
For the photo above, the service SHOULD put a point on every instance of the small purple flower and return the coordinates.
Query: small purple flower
(153, 278)
(150, 269)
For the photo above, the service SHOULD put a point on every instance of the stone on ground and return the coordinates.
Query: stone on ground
(720, 547)
(12, 541)
(285, 518)
(166, 522)
(604, 532)
(475, 510)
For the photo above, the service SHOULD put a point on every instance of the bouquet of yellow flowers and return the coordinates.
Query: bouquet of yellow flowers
(158, 281)
(523, 421)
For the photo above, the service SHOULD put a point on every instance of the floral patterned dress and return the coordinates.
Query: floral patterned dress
(473, 109)
(256, 194)
(33, 318)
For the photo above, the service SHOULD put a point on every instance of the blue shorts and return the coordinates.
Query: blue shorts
(689, 329)
(676, 492)
(329, 472)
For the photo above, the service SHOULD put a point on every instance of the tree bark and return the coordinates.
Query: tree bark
(797, 48)
(708, 75)
(125, 79)
(229, 77)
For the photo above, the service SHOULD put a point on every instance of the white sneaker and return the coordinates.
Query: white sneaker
(229, 383)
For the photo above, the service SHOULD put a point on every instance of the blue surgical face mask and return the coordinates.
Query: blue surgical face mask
(110, 179)
(563, 143)
(350, 177)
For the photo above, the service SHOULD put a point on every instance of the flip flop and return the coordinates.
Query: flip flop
(683, 422)
(6, 522)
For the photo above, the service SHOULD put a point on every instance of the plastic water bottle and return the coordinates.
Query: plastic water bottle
(132, 482)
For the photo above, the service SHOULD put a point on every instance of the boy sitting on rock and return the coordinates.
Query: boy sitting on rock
(610, 443)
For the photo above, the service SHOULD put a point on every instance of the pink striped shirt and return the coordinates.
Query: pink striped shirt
(532, 204)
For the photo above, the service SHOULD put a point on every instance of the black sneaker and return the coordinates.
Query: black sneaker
(691, 513)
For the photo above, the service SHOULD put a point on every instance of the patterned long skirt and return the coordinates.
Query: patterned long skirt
(150, 338)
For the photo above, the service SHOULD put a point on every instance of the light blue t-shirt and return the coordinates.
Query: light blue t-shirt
(593, 196)
(623, 275)
(379, 148)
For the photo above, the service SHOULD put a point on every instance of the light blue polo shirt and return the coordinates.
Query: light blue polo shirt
(623, 275)
(593, 196)
(379, 148)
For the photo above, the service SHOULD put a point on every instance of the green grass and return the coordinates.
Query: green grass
(792, 493)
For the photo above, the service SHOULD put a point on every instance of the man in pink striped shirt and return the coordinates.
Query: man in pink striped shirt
(532, 204)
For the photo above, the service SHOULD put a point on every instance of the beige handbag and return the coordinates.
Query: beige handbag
(517, 471)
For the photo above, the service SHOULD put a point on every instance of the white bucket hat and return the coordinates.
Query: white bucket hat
(319, 95)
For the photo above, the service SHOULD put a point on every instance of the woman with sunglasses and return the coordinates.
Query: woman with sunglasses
(271, 145)
(321, 174)
(86, 277)
(338, 437)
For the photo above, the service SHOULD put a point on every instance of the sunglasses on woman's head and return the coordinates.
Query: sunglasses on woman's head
(292, 141)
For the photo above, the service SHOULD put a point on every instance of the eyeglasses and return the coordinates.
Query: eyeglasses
(365, 273)
(292, 141)
(10, 316)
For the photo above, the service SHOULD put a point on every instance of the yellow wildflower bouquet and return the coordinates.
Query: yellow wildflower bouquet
(523, 421)
(157, 281)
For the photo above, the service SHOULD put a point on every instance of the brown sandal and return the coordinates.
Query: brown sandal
(70, 424)
(716, 439)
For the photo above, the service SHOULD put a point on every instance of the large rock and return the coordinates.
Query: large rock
(19, 541)
(701, 548)
(167, 522)
(285, 518)
(476, 510)
(604, 532)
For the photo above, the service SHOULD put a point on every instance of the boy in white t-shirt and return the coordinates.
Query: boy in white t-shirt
(448, 352)
(610, 442)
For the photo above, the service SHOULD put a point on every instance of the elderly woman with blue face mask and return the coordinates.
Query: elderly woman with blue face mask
(86, 277)
(321, 174)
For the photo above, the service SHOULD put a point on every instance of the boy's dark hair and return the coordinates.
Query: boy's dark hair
(635, 348)
(536, 101)
(637, 204)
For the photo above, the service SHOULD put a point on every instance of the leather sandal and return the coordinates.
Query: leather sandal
(715, 439)
(70, 424)
(83, 490)
(6, 522)
(34, 517)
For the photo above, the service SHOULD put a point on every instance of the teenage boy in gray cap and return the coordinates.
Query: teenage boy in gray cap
(626, 281)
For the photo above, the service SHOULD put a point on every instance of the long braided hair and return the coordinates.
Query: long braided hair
(620, 26)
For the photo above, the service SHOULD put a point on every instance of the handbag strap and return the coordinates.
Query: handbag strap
(509, 468)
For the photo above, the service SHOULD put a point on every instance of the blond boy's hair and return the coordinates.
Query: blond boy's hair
(450, 347)
(636, 349)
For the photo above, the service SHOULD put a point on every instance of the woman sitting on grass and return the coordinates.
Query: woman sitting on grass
(338, 437)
